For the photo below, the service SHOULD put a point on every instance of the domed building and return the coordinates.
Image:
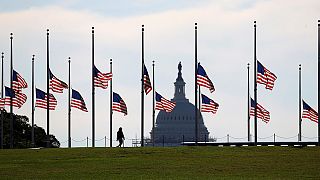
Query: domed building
(179, 125)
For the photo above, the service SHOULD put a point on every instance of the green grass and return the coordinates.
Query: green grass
(162, 163)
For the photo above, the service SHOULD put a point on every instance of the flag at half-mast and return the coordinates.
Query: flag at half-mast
(203, 79)
(262, 113)
(163, 104)
(18, 99)
(77, 101)
(119, 104)
(309, 113)
(208, 105)
(56, 85)
(265, 77)
(101, 79)
(18, 82)
(146, 80)
(42, 98)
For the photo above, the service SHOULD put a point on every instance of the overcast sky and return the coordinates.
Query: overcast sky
(286, 37)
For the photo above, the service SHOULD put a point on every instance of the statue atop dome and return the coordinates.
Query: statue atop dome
(179, 73)
(179, 93)
(179, 67)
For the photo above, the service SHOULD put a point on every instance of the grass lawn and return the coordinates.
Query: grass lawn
(162, 163)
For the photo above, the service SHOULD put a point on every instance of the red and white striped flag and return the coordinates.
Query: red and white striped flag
(203, 79)
(42, 98)
(118, 104)
(208, 105)
(146, 81)
(18, 99)
(77, 101)
(56, 85)
(262, 113)
(309, 113)
(18, 82)
(101, 79)
(265, 77)
(163, 104)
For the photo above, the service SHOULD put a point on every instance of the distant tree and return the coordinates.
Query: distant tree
(22, 133)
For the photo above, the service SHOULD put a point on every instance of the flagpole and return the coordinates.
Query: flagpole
(318, 80)
(1, 142)
(248, 102)
(153, 104)
(2, 57)
(299, 138)
(69, 105)
(199, 106)
(48, 93)
(111, 100)
(93, 118)
(11, 107)
(255, 84)
(32, 104)
(195, 85)
(142, 93)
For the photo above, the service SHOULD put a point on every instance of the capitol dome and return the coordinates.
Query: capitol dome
(179, 125)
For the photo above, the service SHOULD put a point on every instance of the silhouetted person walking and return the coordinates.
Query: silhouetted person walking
(120, 137)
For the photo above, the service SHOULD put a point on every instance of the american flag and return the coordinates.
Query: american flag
(264, 76)
(41, 100)
(101, 79)
(18, 82)
(309, 113)
(56, 85)
(146, 80)
(163, 104)
(77, 101)
(262, 113)
(203, 79)
(208, 105)
(18, 99)
(118, 104)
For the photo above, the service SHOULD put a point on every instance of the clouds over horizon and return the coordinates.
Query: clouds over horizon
(286, 36)
(125, 7)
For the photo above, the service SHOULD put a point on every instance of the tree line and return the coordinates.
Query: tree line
(22, 133)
